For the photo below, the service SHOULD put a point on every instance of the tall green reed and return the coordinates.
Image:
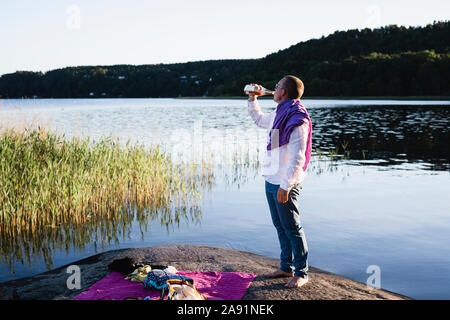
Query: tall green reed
(57, 192)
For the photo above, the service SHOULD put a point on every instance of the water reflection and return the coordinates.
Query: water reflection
(393, 131)
(393, 134)
(98, 230)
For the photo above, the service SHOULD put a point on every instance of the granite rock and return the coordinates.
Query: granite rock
(52, 285)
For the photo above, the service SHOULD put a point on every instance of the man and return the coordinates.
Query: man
(287, 156)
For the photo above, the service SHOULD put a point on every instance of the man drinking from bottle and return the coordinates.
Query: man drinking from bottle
(285, 162)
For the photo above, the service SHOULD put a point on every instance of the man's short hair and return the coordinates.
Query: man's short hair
(293, 86)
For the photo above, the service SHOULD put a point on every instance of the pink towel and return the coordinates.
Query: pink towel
(213, 285)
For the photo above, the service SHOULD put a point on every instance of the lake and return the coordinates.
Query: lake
(376, 192)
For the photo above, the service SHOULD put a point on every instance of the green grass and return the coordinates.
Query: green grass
(55, 190)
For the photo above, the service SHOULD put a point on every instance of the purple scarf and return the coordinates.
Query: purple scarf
(290, 114)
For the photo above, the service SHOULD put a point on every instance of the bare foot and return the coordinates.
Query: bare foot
(278, 274)
(296, 282)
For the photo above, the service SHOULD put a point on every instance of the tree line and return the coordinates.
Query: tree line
(387, 61)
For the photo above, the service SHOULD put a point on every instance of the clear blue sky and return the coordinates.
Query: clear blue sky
(44, 35)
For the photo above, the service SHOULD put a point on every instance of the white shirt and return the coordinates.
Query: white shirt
(282, 165)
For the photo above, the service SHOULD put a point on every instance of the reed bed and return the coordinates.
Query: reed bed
(61, 193)
(57, 192)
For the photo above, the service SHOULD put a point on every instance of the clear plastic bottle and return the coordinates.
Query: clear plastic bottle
(255, 90)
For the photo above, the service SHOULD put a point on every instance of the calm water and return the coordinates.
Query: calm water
(376, 192)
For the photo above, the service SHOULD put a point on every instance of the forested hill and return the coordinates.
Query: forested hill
(388, 61)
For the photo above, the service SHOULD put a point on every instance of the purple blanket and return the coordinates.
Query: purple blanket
(213, 285)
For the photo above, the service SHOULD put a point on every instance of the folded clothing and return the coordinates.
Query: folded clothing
(140, 274)
(157, 279)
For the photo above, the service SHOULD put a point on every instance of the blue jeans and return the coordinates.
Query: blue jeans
(286, 219)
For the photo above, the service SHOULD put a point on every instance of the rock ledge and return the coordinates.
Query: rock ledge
(323, 285)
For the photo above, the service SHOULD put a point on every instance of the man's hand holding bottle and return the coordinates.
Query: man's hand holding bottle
(252, 95)
(254, 90)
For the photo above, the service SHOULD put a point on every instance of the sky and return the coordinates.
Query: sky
(44, 35)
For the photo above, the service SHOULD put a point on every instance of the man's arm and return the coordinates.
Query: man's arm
(262, 120)
(296, 149)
